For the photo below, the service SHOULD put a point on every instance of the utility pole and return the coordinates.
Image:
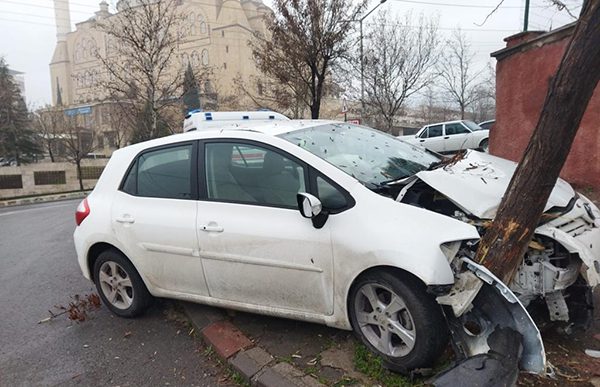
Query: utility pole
(526, 17)
(362, 58)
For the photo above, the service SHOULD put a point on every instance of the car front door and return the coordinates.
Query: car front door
(256, 247)
(456, 137)
(154, 217)
(431, 138)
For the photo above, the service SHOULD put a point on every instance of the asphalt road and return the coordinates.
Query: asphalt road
(38, 271)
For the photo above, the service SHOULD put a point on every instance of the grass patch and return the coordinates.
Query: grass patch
(371, 365)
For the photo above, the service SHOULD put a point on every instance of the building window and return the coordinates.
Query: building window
(195, 59)
(202, 23)
(205, 57)
(226, 49)
(222, 33)
(224, 66)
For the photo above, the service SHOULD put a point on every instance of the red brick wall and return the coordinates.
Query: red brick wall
(522, 81)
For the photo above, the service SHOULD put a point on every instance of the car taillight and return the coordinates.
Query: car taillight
(83, 210)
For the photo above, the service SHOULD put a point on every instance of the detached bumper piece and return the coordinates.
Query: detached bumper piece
(499, 367)
(495, 336)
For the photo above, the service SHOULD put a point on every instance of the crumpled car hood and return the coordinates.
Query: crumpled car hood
(477, 183)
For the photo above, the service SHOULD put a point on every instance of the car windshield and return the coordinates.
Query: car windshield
(366, 154)
(471, 125)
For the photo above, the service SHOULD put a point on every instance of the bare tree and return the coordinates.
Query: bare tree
(400, 62)
(306, 39)
(48, 121)
(78, 143)
(459, 80)
(140, 63)
(502, 247)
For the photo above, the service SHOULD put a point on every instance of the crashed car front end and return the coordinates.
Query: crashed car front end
(555, 280)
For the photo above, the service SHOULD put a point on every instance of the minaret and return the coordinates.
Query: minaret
(60, 67)
(63, 19)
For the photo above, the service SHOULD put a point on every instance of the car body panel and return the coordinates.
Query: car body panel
(477, 182)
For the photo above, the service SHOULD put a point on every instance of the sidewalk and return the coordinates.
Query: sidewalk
(42, 198)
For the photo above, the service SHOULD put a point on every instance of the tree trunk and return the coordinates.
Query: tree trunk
(78, 163)
(502, 247)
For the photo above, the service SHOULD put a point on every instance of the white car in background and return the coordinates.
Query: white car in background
(451, 137)
(332, 223)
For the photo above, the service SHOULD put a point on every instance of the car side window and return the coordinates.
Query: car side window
(162, 173)
(331, 198)
(456, 128)
(435, 131)
(243, 173)
(424, 134)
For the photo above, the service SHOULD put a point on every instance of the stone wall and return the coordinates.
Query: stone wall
(48, 178)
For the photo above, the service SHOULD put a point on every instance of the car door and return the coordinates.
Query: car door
(456, 137)
(154, 217)
(256, 247)
(431, 138)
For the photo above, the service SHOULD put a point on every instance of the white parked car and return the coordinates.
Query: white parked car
(451, 137)
(332, 223)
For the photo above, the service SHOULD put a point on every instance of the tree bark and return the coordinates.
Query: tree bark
(78, 164)
(502, 247)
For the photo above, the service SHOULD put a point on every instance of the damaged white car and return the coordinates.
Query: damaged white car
(338, 224)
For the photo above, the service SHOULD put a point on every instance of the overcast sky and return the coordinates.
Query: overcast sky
(28, 32)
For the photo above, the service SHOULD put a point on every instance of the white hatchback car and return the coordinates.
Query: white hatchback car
(451, 137)
(331, 223)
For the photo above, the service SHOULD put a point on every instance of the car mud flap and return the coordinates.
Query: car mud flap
(496, 337)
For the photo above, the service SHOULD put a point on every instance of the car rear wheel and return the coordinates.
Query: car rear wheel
(485, 145)
(120, 286)
(398, 320)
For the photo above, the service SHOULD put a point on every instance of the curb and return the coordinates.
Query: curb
(42, 199)
(253, 363)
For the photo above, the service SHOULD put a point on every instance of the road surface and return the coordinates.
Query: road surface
(39, 271)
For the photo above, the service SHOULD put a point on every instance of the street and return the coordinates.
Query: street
(38, 272)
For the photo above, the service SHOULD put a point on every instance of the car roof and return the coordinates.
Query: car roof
(445, 122)
(271, 128)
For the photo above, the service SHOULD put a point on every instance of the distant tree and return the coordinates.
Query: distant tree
(78, 143)
(48, 121)
(17, 139)
(399, 62)
(141, 66)
(306, 38)
(191, 95)
(459, 80)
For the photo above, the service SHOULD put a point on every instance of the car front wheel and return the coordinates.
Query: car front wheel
(119, 285)
(396, 318)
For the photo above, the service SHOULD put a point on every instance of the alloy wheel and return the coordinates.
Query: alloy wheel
(384, 319)
(116, 285)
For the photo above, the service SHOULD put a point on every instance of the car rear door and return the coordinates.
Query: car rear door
(256, 247)
(154, 217)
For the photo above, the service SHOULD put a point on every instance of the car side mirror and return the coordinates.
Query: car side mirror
(311, 208)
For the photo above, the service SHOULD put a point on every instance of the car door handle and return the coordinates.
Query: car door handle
(421, 140)
(125, 219)
(211, 228)
(447, 137)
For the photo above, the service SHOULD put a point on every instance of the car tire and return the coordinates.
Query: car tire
(120, 286)
(484, 145)
(408, 330)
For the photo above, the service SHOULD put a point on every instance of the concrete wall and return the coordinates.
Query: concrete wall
(27, 173)
(523, 74)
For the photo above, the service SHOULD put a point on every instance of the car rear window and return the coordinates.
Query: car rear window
(162, 173)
